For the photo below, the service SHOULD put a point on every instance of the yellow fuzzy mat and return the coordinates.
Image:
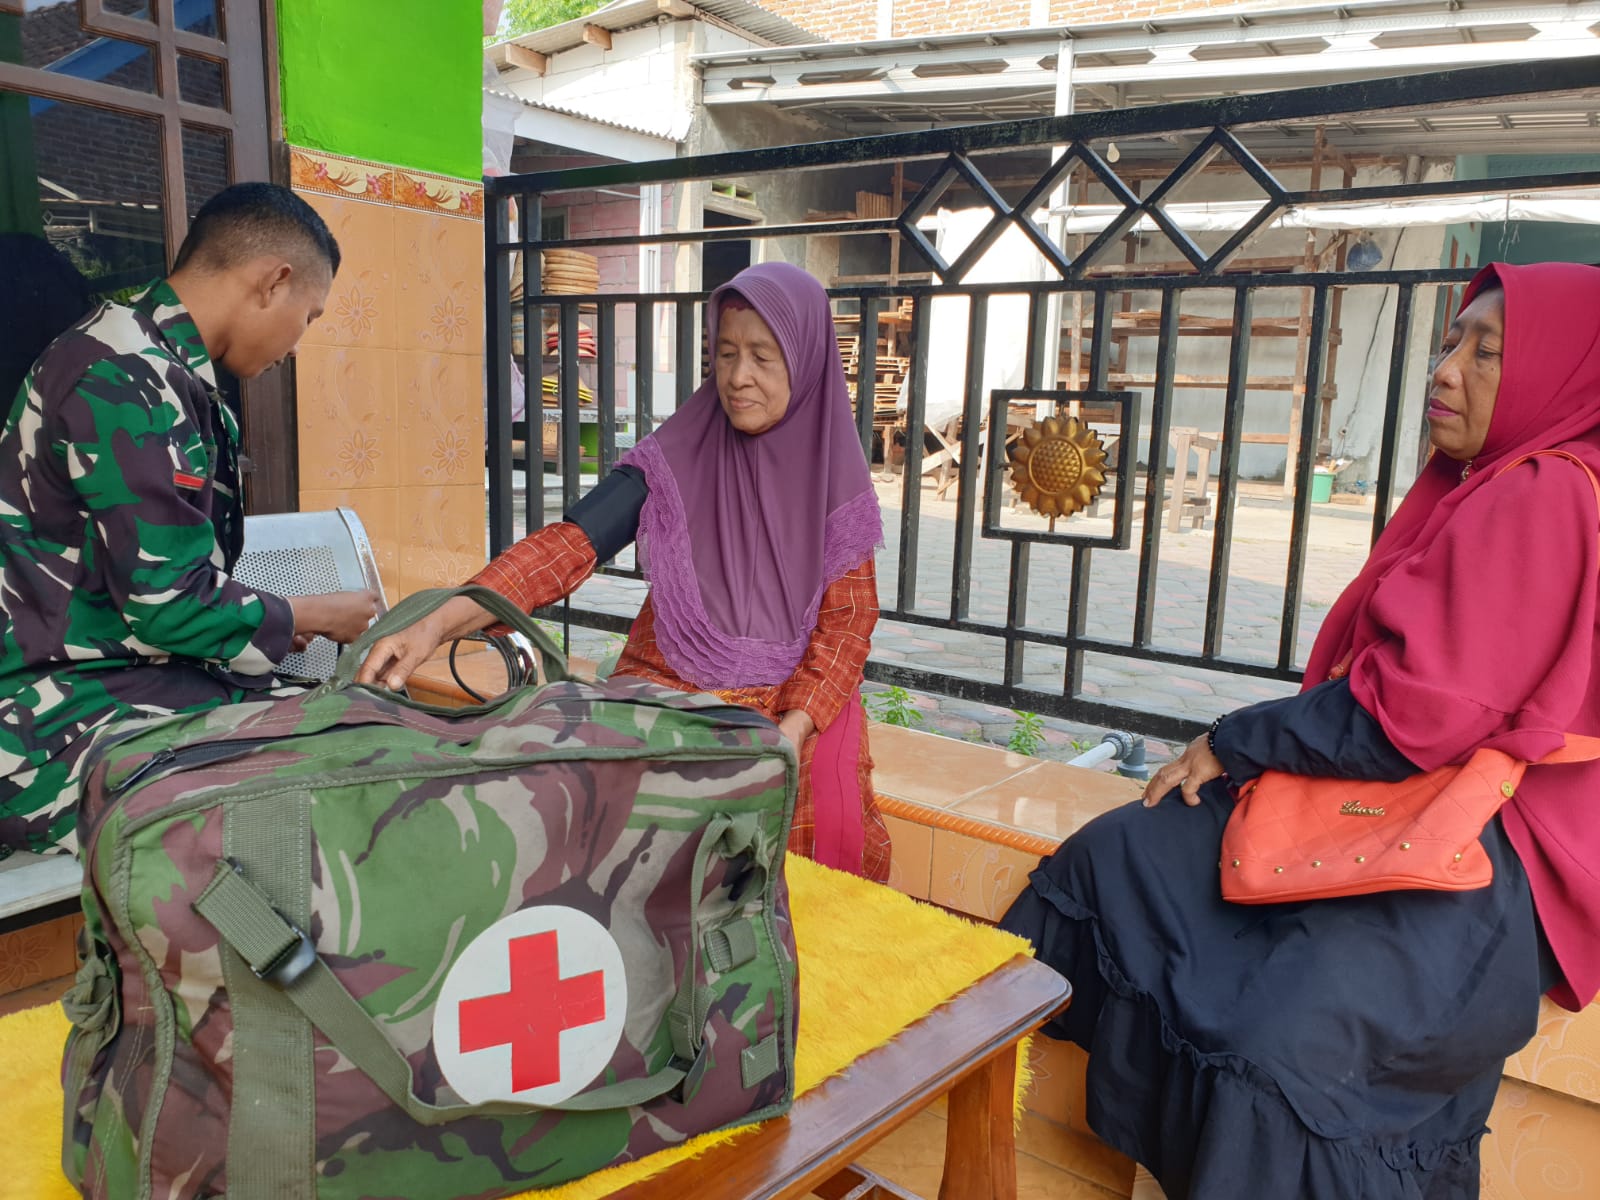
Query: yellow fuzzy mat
(871, 962)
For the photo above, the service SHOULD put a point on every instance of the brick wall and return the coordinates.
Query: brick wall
(838, 20)
(857, 20)
(916, 17)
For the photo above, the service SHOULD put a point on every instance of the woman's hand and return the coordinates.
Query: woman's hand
(338, 616)
(1190, 771)
(797, 726)
(392, 659)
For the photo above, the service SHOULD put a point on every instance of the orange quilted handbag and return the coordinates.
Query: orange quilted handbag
(1294, 837)
(1297, 837)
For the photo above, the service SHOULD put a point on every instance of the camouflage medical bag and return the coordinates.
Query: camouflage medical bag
(344, 944)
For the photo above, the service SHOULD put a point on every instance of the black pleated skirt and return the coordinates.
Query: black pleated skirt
(1342, 1049)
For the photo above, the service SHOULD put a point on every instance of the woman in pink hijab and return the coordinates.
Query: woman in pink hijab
(757, 522)
(1353, 1047)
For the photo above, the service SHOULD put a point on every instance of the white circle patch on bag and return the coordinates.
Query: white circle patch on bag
(533, 1008)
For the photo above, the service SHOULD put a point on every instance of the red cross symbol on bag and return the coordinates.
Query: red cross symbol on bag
(532, 1009)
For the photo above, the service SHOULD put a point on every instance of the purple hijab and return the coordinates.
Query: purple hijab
(741, 535)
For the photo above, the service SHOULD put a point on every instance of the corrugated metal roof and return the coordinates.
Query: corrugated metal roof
(627, 14)
(572, 112)
(1242, 21)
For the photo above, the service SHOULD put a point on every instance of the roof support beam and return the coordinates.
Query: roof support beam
(596, 36)
(528, 60)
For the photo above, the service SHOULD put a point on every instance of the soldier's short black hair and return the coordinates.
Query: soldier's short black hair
(250, 219)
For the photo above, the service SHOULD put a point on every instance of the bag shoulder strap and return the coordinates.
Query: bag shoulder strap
(1579, 747)
(1594, 483)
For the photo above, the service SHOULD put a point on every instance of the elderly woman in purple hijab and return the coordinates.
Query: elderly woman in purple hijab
(754, 510)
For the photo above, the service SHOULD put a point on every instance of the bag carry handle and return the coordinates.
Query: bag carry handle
(282, 955)
(420, 604)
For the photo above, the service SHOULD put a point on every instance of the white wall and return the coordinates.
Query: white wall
(635, 83)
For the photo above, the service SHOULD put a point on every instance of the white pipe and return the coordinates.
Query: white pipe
(1104, 752)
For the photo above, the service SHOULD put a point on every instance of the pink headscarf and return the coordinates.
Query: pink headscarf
(741, 535)
(1474, 620)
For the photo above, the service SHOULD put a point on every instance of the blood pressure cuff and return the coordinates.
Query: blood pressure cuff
(609, 513)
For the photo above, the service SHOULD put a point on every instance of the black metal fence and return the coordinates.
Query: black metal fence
(993, 551)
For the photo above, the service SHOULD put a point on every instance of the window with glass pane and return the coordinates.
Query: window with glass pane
(89, 180)
(126, 8)
(205, 165)
(201, 81)
(51, 38)
(199, 16)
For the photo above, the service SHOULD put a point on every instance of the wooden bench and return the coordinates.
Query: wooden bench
(965, 1050)
(39, 923)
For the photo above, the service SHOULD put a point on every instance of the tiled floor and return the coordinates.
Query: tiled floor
(1053, 1163)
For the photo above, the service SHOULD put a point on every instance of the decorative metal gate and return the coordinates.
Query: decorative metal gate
(1108, 610)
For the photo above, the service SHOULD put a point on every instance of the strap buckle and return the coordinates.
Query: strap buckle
(298, 957)
(289, 963)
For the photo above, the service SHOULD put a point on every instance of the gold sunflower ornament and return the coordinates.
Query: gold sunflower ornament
(1058, 467)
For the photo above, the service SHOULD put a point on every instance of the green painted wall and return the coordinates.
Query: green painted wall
(1530, 241)
(393, 81)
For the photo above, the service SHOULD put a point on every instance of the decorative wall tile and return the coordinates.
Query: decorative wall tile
(438, 193)
(1564, 1054)
(39, 952)
(440, 283)
(335, 175)
(977, 877)
(1541, 1146)
(911, 856)
(1056, 1091)
(441, 418)
(379, 510)
(361, 308)
(390, 381)
(347, 418)
(443, 540)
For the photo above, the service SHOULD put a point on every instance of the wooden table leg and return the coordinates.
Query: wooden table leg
(980, 1145)
(1180, 476)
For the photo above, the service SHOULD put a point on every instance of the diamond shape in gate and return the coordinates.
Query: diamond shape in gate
(533, 1008)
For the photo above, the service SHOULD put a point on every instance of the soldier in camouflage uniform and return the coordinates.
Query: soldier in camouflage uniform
(120, 514)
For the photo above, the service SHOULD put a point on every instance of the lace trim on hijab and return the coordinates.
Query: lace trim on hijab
(701, 653)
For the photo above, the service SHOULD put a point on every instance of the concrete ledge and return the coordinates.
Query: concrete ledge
(34, 881)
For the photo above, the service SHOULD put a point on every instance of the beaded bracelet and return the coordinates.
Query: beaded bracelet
(1211, 734)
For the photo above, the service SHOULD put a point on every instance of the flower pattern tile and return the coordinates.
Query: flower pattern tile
(441, 419)
(347, 418)
(35, 953)
(440, 286)
(335, 175)
(442, 535)
(362, 302)
(438, 193)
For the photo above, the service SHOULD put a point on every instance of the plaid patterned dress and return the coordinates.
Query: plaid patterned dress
(555, 561)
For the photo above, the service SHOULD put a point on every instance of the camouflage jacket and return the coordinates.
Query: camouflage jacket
(120, 518)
